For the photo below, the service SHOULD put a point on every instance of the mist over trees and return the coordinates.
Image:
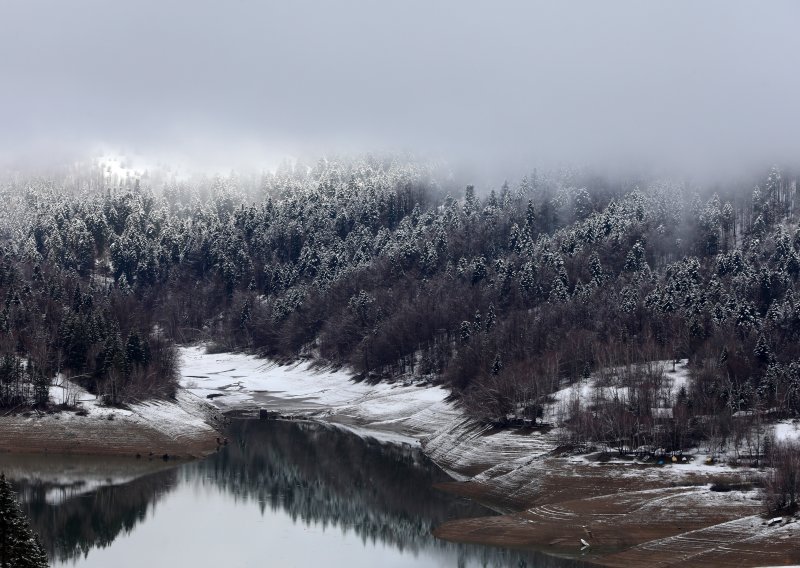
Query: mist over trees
(383, 265)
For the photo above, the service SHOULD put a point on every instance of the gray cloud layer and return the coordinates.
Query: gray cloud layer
(684, 84)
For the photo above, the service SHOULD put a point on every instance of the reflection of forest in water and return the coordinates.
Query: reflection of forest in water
(79, 520)
(315, 473)
(319, 474)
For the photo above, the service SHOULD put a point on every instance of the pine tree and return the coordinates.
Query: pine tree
(41, 384)
(596, 268)
(558, 292)
(491, 318)
(464, 332)
(762, 350)
(497, 365)
(635, 261)
(19, 545)
(470, 201)
(530, 218)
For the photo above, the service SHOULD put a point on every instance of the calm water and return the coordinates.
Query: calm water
(280, 494)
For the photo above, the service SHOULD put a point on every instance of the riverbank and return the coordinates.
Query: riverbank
(629, 513)
(613, 512)
(150, 430)
(405, 410)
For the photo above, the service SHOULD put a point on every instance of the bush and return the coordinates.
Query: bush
(722, 484)
(782, 486)
(215, 347)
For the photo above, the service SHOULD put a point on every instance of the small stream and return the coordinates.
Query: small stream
(278, 494)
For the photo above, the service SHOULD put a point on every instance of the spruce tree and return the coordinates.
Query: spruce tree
(19, 545)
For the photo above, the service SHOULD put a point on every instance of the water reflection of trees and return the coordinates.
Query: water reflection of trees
(319, 475)
(71, 527)
(315, 473)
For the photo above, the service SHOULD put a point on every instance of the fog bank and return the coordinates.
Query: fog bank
(683, 86)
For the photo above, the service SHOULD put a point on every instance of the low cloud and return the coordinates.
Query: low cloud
(688, 86)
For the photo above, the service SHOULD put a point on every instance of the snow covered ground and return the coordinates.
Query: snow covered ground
(406, 412)
(588, 391)
(787, 431)
(179, 428)
(184, 417)
(403, 411)
(400, 411)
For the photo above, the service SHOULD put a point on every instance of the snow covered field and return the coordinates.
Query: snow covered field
(595, 388)
(406, 412)
(401, 411)
(182, 418)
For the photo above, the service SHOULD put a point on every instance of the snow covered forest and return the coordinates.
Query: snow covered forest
(504, 295)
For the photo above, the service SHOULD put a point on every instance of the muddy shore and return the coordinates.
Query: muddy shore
(628, 517)
(144, 431)
(629, 514)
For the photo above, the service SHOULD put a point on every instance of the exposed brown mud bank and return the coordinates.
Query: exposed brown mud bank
(21, 436)
(145, 431)
(629, 516)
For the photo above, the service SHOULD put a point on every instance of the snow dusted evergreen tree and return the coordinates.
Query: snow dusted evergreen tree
(19, 546)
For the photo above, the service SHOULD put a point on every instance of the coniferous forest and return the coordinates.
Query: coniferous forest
(390, 267)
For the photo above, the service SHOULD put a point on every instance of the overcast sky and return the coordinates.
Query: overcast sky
(667, 84)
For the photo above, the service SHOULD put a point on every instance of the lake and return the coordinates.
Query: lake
(278, 494)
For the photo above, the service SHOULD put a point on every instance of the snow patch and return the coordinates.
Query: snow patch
(608, 385)
(237, 381)
(787, 431)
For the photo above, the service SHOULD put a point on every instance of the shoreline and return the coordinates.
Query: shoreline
(637, 514)
(179, 429)
(629, 513)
